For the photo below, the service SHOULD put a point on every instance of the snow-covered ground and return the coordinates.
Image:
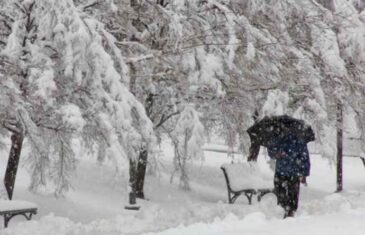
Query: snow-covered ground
(96, 204)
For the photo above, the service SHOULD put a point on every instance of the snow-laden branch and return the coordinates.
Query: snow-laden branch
(164, 118)
(139, 58)
(12, 128)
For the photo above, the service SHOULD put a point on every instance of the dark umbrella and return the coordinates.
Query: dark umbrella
(267, 130)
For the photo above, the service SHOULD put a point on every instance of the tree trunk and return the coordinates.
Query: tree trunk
(13, 162)
(255, 147)
(141, 173)
(339, 147)
(254, 152)
(132, 182)
(143, 154)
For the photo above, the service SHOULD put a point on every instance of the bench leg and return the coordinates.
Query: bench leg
(6, 220)
(249, 197)
(29, 217)
(229, 198)
(261, 194)
(232, 198)
(8, 217)
(259, 197)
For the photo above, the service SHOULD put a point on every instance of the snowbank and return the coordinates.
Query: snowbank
(351, 222)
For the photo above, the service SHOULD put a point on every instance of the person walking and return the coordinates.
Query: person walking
(291, 168)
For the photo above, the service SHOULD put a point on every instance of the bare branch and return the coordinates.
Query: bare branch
(165, 118)
(91, 4)
(21, 8)
(162, 74)
(7, 17)
(11, 128)
(139, 58)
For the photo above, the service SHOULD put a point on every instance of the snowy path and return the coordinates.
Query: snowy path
(95, 206)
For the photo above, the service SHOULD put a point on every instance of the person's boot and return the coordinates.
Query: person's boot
(289, 213)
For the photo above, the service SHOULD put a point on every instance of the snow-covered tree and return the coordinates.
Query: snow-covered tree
(187, 138)
(69, 80)
(113, 72)
(165, 74)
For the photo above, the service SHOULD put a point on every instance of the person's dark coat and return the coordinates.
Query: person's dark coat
(292, 157)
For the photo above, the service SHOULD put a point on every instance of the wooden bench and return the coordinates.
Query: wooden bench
(246, 179)
(9, 209)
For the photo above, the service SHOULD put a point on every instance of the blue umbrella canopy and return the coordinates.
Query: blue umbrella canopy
(269, 129)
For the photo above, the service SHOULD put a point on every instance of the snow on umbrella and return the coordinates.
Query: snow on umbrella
(267, 130)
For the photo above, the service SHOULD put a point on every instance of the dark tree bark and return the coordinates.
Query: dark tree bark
(254, 152)
(132, 182)
(137, 170)
(339, 147)
(254, 148)
(13, 162)
(143, 155)
(141, 173)
(141, 164)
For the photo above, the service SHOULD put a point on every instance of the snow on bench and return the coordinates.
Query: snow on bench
(247, 178)
(9, 209)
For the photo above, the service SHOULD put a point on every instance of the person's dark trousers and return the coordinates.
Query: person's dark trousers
(287, 192)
